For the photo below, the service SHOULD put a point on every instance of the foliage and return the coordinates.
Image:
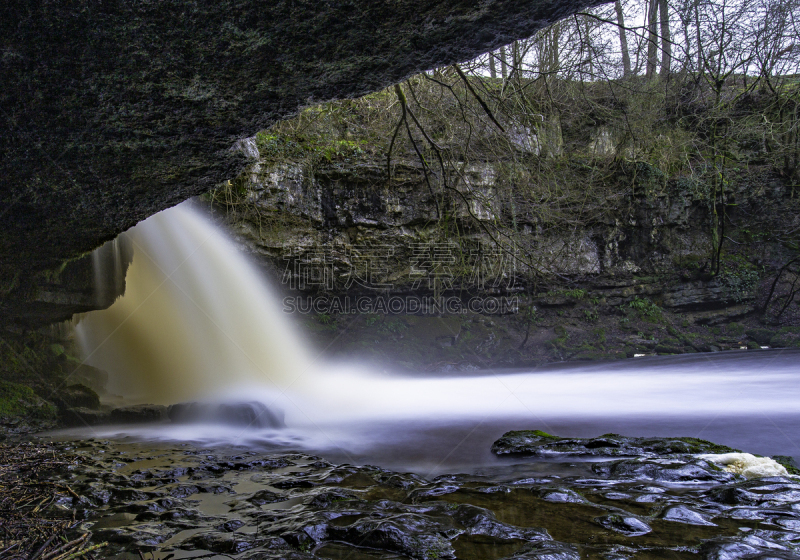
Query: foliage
(741, 284)
(739, 277)
(559, 131)
(274, 147)
(591, 315)
(645, 308)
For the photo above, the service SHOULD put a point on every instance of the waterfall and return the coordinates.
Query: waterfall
(197, 319)
(199, 323)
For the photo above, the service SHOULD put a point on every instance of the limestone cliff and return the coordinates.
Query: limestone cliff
(632, 279)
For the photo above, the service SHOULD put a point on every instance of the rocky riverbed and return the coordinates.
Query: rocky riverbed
(557, 498)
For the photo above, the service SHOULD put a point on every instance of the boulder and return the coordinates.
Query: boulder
(77, 396)
(539, 443)
(247, 414)
(81, 416)
(761, 336)
(138, 414)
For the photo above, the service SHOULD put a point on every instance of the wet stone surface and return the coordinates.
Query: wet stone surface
(184, 502)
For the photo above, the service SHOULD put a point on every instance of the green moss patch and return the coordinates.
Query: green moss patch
(20, 401)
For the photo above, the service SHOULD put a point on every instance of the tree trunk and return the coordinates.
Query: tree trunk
(652, 38)
(666, 43)
(700, 65)
(503, 64)
(687, 62)
(492, 66)
(623, 40)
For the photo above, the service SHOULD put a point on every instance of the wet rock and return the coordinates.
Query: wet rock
(550, 551)
(625, 524)
(326, 499)
(374, 513)
(266, 497)
(774, 490)
(292, 483)
(683, 514)
(733, 550)
(538, 443)
(670, 472)
(77, 396)
(138, 414)
(561, 496)
(409, 534)
(83, 417)
(480, 521)
(437, 489)
(219, 543)
(282, 555)
(246, 414)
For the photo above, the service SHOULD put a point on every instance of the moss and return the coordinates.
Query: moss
(736, 328)
(789, 464)
(532, 433)
(646, 309)
(785, 340)
(668, 350)
(20, 401)
(697, 445)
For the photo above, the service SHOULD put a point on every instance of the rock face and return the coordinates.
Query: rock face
(115, 110)
(358, 232)
(83, 284)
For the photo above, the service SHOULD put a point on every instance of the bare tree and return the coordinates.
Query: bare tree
(652, 38)
(666, 43)
(623, 39)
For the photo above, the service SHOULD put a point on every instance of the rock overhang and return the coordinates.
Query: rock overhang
(116, 110)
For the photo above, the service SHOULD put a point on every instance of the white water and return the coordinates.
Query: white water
(199, 322)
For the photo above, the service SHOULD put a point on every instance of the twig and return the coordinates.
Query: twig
(478, 97)
(86, 550)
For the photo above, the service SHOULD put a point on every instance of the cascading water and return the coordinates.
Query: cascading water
(197, 320)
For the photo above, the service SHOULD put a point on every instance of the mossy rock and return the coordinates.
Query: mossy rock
(77, 396)
(19, 401)
(735, 328)
(538, 443)
(762, 336)
(785, 340)
(597, 355)
(789, 463)
(669, 349)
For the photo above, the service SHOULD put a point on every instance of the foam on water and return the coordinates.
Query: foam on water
(747, 465)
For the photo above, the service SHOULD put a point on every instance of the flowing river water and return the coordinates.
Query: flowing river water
(198, 323)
